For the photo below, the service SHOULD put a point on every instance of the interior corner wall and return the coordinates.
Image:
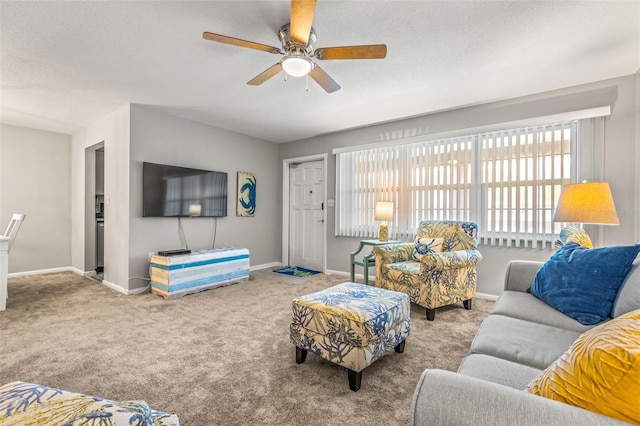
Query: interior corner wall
(35, 179)
(620, 141)
(165, 139)
(620, 161)
(113, 130)
(637, 174)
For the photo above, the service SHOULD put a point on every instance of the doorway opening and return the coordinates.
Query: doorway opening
(94, 212)
(99, 209)
(304, 212)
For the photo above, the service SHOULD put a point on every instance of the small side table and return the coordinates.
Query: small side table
(368, 260)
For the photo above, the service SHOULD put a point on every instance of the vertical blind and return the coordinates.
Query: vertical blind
(507, 181)
(523, 171)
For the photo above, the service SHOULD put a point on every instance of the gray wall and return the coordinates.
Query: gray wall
(111, 132)
(35, 178)
(165, 139)
(620, 160)
(52, 190)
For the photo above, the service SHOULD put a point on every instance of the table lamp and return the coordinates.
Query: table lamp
(586, 202)
(384, 212)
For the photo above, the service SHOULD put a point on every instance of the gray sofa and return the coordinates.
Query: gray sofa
(520, 338)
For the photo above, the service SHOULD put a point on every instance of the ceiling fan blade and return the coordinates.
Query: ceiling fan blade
(265, 75)
(301, 19)
(239, 42)
(323, 79)
(369, 51)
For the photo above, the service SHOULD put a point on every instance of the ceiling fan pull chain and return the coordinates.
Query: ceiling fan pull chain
(307, 80)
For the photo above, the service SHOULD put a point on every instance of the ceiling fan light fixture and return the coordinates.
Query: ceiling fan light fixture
(296, 66)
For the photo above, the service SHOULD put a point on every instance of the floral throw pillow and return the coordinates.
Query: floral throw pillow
(426, 245)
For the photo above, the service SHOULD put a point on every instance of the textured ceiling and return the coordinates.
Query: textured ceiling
(66, 64)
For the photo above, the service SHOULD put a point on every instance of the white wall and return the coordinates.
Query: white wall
(637, 174)
(620, 160)
(35, 178)
(166, 139)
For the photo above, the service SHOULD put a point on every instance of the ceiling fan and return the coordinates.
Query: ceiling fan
(297, 38)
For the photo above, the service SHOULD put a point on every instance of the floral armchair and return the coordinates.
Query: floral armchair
(438, 269)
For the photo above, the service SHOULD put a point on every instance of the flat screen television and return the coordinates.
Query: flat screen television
(172, 191)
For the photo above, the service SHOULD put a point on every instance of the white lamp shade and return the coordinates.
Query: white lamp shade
(587, 202)
(296, 66)
(384, 210)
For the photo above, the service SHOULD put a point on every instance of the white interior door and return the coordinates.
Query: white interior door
(306, 215)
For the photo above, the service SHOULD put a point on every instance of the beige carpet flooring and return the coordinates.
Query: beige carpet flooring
(219, 357)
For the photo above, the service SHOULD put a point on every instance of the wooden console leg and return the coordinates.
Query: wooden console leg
(431, 314)
(301, 355)
(467, 304)
(400, 347)
(355, 379)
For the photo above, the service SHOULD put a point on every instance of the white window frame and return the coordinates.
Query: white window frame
(385, 184)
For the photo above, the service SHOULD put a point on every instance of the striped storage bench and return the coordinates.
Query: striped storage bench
(176, 276)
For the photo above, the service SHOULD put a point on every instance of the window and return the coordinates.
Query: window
(508, 182)
(522, 172)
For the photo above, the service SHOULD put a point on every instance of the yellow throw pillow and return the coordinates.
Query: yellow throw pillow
(576, 235)
(581, 238)
(600, 372)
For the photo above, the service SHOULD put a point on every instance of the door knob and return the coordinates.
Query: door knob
(321, 221)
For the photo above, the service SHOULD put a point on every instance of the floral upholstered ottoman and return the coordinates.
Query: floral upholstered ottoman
(351, 325)
(32, 404)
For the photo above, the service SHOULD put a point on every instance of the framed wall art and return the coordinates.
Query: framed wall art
(246, 205)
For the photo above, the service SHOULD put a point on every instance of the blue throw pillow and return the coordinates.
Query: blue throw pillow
(582, 283)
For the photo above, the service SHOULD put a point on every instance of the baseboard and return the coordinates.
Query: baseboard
(343, 273)
(140, 290)
(347, 274)
(372, 278)
(486, 296)
(86, 274)
(132, 292)
(78, 271)
(46, 271)
(265, 266)
(115, 287)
